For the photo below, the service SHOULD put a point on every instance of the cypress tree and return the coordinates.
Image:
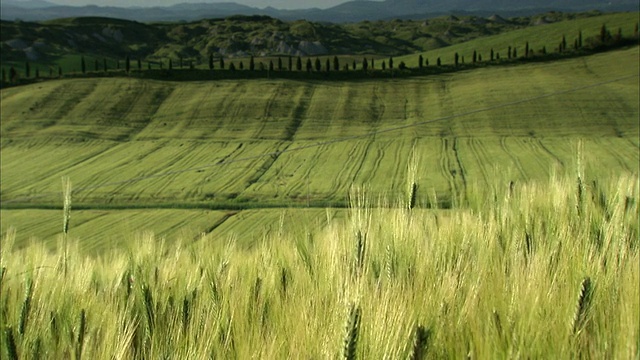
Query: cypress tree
(580, 39)
(241, 66)
(479, 57)
(59, 71)
(564, 43)
(309, 65)
(290, 63)
(603, 33)
(515, 53)
(327, 65)
(336, 63)
(426, 62)
(365, 64)
(271, 65)
(438, 62)
(390, 63)
(373, 63)
(475, 57)
(509, 52)
(491, 54)
(384, 65)
(261, 66)
(456, 58)
(211, 61)
(13, 74)
(318, 65)
(279, 63)
(420, 61)
(526, 49)
(232, 67)
(299, 64)
(353, 66)
(221, 63)
(252, 64)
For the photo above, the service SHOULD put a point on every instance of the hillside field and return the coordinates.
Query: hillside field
(207, 148)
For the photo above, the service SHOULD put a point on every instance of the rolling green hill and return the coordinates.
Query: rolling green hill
(62, 42)
(548, 36)
(133, 144)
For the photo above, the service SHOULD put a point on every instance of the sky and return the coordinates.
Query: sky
(279, 4)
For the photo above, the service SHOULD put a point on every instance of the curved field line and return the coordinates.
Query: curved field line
(537, 153)
(445, 166)
(549, 152)
(481, 158)
(373, 169)
(514, 158)
(360, 163)
(300, 113)
(619, 158)
(275, 95)
(377, 111)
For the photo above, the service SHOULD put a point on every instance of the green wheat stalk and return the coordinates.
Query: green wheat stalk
(12, 349)
(66, 217)
(26, 307)
(81, 332)
(582, 307)
(351, 337)
(420, 343)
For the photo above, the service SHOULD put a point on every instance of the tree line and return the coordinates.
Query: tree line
(605, 39)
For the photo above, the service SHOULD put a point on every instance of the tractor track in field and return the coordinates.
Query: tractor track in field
(215, 225)
(619, 158)
(72, 93)
(360, 163)
(275, 95)
(538, 153)
(266, 165)
(377, 106)
(513, 157)
(549, 152)
(481, 158)
(226, 109)
(299, 113)
(449, 167)
(376, 163)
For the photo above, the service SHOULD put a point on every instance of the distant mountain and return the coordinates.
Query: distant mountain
(28, 4)
(36, 10)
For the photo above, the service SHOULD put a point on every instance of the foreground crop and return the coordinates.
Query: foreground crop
(535, 270)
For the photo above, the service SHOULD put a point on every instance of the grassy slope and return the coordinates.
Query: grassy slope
(548, 36)
(108, 134)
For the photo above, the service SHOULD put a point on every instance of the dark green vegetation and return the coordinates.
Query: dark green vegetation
(61, 42)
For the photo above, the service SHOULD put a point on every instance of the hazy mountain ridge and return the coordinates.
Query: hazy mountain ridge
(36, 10)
